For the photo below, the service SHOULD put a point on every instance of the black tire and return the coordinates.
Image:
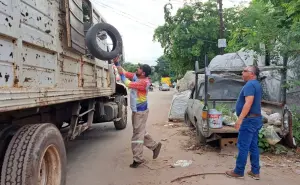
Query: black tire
(122, 113)
(187, 121)
(93, 47)
(289, 138)
(34, 151)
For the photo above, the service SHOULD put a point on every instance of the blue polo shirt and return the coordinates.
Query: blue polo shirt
(251, 88)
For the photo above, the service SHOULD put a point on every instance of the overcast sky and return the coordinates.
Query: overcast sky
(136, 20)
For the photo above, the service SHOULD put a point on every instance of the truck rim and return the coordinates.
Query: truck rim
(50, 167)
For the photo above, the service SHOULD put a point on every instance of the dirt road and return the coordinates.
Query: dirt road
(102, 156)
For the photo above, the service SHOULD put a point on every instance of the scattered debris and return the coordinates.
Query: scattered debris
(268, 158)
(266, 164)
(275, 119)
(298, 150)
(173, 125)
(226, 154)
(271, 135)
(282, 165)
(297, 171)
(199, 153)
(173, 134)
(165, 139)
(187, 133)
(280, 149)
(193, 147)
(194, 175)
(290, 153)
(182, 163)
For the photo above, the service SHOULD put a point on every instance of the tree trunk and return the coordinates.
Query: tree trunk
(284, 78)
(268, 58)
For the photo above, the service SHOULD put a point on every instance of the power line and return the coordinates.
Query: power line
(124, 14)
(167, 1)
(131, 18)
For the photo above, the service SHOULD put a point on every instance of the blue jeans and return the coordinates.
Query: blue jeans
(248, 142)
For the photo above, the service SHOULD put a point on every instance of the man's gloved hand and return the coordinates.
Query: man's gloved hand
(116, 61)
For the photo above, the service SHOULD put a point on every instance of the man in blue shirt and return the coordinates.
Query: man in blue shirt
(248, 110)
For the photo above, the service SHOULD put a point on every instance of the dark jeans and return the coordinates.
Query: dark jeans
(248, 142)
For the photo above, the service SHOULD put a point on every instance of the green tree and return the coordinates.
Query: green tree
(162, 66)
(267, 22)
(130, 67)
(192, 33)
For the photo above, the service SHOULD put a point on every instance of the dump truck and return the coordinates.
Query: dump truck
(166, 80)
(56, 80)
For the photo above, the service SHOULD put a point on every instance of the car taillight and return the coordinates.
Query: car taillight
(204, 112)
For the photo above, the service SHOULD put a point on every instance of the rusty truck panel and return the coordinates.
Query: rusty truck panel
(7, 49)
(38, 21)
(38, 66)
(8, 23)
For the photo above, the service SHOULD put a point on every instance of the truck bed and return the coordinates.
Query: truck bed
(224, 129)
(37, 66)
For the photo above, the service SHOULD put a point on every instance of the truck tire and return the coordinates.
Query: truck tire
(289, 138)
(122, 113)
(36, 155)
(92, 44)
(6, 134)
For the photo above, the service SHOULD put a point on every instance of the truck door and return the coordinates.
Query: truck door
(75, 25)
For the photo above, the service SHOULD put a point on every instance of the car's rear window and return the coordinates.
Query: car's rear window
(222, 89)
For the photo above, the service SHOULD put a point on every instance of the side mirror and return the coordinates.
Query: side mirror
(196, 66)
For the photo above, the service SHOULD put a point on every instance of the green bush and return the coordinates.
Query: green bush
(263, 144)
(296, 127)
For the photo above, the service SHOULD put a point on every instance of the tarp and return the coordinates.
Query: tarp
(188, 81)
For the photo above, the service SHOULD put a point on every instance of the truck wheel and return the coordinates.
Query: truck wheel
(93, 46)
(36, 155)
(122, 113)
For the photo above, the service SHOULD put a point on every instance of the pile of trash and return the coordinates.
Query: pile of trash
(187, 82)
(271, 118)
(179, 105)
(180, 99)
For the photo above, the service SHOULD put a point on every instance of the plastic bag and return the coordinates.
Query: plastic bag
(183, 163)
(275, 119)
(179, 105)
(227, 120)
(271, 135)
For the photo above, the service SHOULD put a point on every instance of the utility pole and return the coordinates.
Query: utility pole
(222, 27)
